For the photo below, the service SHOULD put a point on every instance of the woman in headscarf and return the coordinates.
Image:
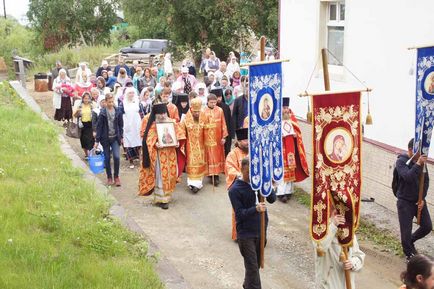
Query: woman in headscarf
(229, 98)
(136, 77)
(63, 92)
(83, 112)
(146, 101)
(202, 93)
(232, 66)
(101, 86)
(168, 68)
(183, 105)
(122, 76)
(84, 85)
(236, 78)
(132, 123)
(82, 69)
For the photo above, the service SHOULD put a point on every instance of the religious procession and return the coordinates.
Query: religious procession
(237, 128)
(260, 129)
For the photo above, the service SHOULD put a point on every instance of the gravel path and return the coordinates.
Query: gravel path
(195, 237)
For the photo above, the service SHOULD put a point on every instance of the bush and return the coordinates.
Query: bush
(16, 40)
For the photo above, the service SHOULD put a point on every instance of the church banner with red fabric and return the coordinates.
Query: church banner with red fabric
(336, 162)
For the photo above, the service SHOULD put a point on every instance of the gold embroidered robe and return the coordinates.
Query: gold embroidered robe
(215, 131)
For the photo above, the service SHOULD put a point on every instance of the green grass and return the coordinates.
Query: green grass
(55, 231)
(382, 238)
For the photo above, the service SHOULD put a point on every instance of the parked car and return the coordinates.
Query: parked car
(152, 47)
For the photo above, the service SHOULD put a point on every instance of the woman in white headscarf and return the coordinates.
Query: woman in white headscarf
(132, 123)
(82, 69)
(202, 93)
(232, 66)
(63, 91)
(168, 68)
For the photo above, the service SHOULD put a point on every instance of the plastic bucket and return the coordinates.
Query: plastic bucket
(96, 162)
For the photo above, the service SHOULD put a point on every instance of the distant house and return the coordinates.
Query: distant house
(371, 39)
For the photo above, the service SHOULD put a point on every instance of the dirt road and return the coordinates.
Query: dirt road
(196, 239)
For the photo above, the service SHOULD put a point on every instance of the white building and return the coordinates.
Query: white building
(371, 38)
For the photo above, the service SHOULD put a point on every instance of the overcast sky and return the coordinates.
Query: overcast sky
(16, 8)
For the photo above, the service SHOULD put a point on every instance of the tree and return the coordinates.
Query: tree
(196, 24)
(60, 22)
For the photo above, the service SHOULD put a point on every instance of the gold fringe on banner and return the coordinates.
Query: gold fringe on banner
(369, 116)
(309, 112)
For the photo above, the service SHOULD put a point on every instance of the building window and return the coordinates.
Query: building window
(335, 31)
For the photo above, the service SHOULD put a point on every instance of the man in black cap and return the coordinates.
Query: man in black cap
(218, 91)
(158, 173)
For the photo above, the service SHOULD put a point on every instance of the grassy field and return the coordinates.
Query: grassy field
(55, 231)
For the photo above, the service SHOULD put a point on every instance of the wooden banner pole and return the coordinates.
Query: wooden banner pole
(325, 67)
(420, 200)
(261, 198)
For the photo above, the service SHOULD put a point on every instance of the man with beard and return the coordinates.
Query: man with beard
(233, 166)
(158, 173)
(193, 126)
(419, 273)
(218, 91)
(215, 138)
(294, 156)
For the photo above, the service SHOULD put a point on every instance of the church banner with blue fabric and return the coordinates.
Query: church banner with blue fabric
(424, 99)
(265, 132)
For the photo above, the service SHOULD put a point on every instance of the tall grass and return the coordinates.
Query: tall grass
(55, 231)
(70, 57)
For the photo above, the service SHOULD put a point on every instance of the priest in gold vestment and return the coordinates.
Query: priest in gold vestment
(215, 138)
(193, 126)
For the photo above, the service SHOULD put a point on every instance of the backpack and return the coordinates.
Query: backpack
(395, 181)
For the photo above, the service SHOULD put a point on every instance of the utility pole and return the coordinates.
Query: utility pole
(4, 7)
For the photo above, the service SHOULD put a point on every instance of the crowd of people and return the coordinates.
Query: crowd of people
(170, 122)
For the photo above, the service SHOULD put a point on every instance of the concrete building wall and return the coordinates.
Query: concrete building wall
(378, 161)
(376, 37)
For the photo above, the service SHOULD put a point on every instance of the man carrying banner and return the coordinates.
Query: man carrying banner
(215, 138)
(193, 126)
(233, 165)
(158, 173)
(409, 167)
(294, 156)
(328, 264)
(337, 143)
(247, 213)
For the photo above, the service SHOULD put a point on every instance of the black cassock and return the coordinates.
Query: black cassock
(229, 125)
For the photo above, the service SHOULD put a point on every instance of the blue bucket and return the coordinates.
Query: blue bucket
(96, 162)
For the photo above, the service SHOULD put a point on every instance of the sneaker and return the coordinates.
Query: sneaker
(110, 182)
(164, 206)
(117, 182)
(131, 166)
(408, 258)
(288, 196)
(194, 189)
(283, 198)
